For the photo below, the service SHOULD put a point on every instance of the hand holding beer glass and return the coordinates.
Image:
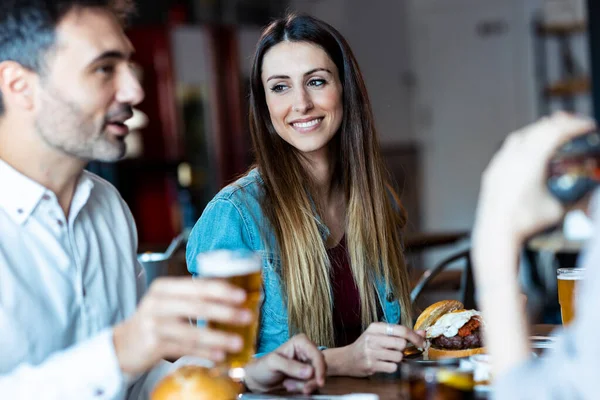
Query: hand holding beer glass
(568, 280)
(243, 269)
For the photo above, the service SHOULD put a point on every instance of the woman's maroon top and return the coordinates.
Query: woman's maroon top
(346, 299)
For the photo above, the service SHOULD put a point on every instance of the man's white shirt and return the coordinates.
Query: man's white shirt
(64, 282)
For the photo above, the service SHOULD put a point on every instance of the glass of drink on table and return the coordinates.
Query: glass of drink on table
(568, 281)
(440, 380)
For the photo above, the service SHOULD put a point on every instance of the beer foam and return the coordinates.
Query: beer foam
(570, 277)
(226, 263)
(570, 274)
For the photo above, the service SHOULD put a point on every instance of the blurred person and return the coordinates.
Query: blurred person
(514, 204)
(69, 277)
(318, 206)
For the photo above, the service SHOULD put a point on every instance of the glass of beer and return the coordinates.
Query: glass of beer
(568, 279)
(242, 269)
(436, 382)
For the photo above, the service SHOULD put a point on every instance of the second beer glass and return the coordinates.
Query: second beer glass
(568, 280)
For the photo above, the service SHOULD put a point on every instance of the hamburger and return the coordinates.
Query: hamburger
(196, 383)
(451, 331)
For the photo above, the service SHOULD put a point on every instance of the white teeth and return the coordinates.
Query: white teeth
(307, 124)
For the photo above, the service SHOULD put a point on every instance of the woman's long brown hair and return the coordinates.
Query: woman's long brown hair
(374, 216)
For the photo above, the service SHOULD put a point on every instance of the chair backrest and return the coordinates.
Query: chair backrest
(467, 285)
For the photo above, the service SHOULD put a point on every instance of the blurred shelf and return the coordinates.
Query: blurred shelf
(562, 29)
(570, 87)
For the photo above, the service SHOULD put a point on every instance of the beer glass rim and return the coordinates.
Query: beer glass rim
(228, 263)
(570, 272)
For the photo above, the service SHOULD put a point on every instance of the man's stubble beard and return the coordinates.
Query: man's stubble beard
(63, 126)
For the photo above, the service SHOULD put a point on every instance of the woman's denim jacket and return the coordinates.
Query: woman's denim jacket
(234, 220)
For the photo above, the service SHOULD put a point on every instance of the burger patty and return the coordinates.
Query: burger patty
(457, 342)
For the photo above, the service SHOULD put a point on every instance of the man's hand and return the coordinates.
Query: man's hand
(297, 365)
(160, 328)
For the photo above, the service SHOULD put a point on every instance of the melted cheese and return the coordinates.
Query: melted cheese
(449, 324)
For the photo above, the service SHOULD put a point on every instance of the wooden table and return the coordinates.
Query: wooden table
(385, 388)
(389, 387)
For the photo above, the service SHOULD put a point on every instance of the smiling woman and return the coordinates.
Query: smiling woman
(304, 96)
(317, 205)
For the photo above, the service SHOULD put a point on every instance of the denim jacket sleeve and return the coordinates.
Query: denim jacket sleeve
(221, 226)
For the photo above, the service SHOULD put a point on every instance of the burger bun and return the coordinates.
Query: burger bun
(196, 383)
(435, 311)
(439, 354)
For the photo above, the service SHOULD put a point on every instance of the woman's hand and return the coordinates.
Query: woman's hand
(378, 349)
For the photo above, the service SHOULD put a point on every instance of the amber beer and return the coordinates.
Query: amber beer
(568, 279)
(242, 269)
